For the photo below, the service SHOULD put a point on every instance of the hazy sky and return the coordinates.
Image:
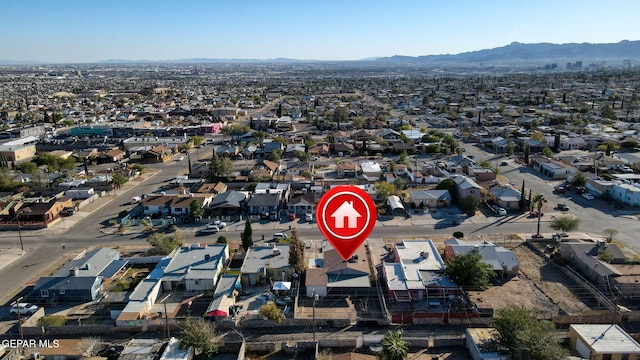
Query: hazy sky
(93, 30)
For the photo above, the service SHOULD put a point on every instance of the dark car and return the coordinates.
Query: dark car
(562, 207)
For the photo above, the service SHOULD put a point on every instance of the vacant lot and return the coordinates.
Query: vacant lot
(540, 287)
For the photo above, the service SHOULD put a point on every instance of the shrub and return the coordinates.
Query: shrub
(52, 320)
(458, 235)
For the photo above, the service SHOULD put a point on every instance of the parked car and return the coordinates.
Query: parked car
(626, 169)
(210, 229)
(579, 189)
(499, 210)
(25, 309)
(68, 211)
(559, 189)
(308, 216)
(292, 216)
(562, 207)
(280, 236)
(181, 158)
(588, 196)
(220, 224)
(504, 163)
(535, 214)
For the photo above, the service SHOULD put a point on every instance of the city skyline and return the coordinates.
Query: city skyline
(82, 32)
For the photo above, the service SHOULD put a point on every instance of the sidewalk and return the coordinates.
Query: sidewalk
(7, 256)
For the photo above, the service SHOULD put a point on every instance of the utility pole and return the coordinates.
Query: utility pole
(19, 319)
(313, 296)
(616, 308)
(166, 316)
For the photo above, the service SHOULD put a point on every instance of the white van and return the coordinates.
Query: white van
(136, 199)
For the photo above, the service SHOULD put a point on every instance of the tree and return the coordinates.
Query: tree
(524, 337)
(340, 116)
(394, 347)
(526, 150)
(221, 240)
(275, 156)
(260, 136)
(296, 252)
(556, 141)
(565, 223)
(195, 209)
(199, 335)
(139, 168)
(446, 184)
(538, 201)
(469, 205)
(303, 156)
(458, 235)
(609, 234)
(118, 180)
(509, 148)
(247, 235)
(220, 168)
(196, 140)
(271, 311)
(402, 158)
(164, 244)
(468, 270)
(384, 190)
(579, 180)
(547, 152)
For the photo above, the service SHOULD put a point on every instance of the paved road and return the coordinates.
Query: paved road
(83, 229)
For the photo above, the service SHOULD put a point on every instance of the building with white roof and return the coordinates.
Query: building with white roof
(602, 341)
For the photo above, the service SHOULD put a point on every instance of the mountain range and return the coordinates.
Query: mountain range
(534, 53)
(514, 53)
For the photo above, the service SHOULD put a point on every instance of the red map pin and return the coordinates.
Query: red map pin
(346, 215)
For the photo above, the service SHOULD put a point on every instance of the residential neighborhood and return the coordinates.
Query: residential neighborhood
(197, 196)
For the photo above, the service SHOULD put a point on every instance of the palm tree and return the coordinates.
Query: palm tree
(394, 347)
(539, 201)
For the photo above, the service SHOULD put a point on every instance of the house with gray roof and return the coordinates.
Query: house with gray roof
(81, 279)
(585, 257)
(430, 198)
(465, 186)
(229, 202)
(263, 203)
(195, 267)
(506, 197)
(502, 260)
(224, 297)
(264, 263)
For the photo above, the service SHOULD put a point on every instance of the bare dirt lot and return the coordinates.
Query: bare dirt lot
(541, 287)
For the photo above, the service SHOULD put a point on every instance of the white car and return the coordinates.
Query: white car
(210, 229)
(181, 158)
(500, 211)
(308, 216)
(25, 309)
(220, 224)
(588, 196)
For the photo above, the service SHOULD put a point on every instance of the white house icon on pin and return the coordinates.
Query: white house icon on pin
(346, 210)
